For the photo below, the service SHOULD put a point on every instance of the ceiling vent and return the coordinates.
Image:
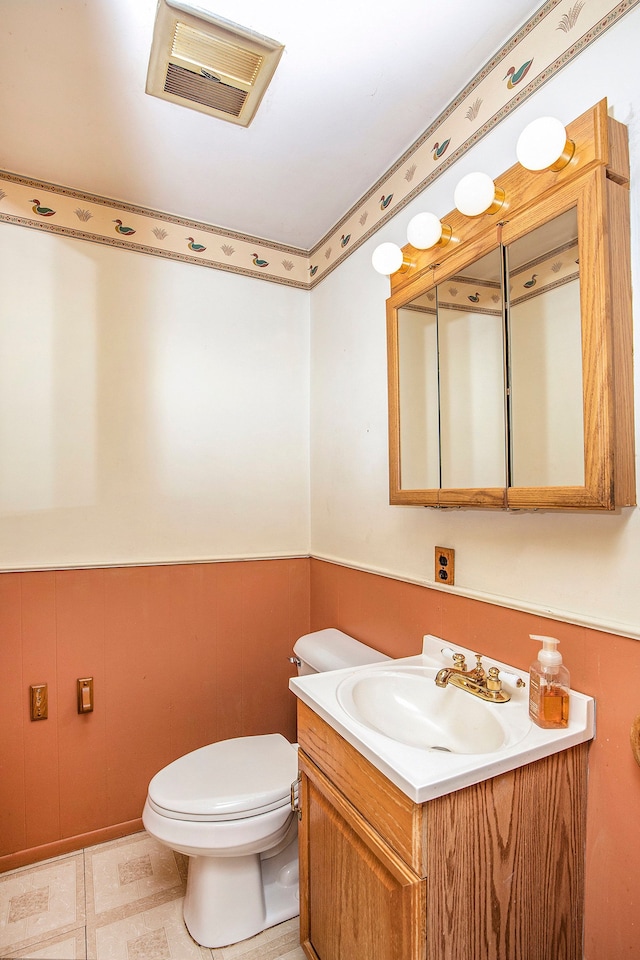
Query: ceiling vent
(209, 64)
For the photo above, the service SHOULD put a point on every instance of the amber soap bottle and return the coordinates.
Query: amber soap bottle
(549, 686)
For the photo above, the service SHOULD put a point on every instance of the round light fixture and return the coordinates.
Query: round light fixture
(477, 194)
(387, 258)
(425, 230)
(543, 145)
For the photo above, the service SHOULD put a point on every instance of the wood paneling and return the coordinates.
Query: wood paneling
(13, 716)
(181, 655)
(42, 817)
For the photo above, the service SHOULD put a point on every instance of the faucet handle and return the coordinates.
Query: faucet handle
(459, 662)
(494, 683)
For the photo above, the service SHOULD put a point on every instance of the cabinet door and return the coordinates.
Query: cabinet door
(358, 900)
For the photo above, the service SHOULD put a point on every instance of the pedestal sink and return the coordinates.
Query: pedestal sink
(406, 705)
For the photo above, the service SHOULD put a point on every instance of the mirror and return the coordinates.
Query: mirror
(451, 381)
(454, 386)
(545, 356)
(471, 374)
(510, 345)
(418, 393)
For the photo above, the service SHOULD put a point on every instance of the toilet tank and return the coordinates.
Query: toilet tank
(332, 649)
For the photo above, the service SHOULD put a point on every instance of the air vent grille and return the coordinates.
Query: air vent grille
(208, 92)
(209, 64)
(215, 55)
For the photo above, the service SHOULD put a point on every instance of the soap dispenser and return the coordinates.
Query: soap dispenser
(549, 686)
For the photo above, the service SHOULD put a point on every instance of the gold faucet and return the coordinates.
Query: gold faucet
(487, 686)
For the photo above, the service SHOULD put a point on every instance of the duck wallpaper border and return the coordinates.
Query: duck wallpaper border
(558, 32)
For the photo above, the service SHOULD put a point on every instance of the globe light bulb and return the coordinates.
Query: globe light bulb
(387, 258)
(424, 231)
(477, 194)
(543, 145)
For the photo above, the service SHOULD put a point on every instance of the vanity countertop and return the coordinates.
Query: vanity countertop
(423, 773)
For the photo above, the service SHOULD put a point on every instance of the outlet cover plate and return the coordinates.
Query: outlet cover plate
(39, 694)
(445, 566)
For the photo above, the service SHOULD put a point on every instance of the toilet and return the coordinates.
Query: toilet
(227, 806)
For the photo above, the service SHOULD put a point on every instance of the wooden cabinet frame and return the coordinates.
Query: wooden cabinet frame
(596, 181)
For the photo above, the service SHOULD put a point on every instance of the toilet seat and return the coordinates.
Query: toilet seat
(228, 780)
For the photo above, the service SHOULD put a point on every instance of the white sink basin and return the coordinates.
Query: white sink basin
(430, 740)
(406, 705)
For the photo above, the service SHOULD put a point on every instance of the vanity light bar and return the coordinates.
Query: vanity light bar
(542, 145)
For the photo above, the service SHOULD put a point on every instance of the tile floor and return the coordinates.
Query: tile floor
(117, 901)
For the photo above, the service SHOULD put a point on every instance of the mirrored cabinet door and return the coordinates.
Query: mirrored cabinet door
(447, 389)
(471, 375)
(564, 349)
(545, 356)
(418, 393)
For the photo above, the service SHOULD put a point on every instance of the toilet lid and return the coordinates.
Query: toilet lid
(227, 780)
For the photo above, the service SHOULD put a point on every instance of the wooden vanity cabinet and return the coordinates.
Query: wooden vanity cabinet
(491, 872)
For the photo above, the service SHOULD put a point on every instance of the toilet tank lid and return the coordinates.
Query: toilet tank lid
(331, 649)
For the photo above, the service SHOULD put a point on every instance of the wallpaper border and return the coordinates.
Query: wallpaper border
(557, 33)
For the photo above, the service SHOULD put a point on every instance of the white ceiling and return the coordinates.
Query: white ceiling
(358, 83)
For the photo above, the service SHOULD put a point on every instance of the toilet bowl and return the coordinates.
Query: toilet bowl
(227, 806)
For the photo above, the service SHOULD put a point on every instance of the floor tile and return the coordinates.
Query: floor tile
(67, 947)
(155, 934)
(129, 875)
(134, 892)
(277, 943)
(39, 902)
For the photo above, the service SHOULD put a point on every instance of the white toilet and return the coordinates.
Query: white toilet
(227, 806)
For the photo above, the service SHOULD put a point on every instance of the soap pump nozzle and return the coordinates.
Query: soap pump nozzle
(549, 655)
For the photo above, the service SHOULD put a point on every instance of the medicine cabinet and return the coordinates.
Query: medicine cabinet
(510, 348)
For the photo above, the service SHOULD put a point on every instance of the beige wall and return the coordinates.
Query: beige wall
(150, 411)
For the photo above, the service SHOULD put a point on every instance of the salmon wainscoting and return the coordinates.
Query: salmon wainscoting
(180, 655)
(393, 615)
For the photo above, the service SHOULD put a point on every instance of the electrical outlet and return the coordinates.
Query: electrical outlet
(39, 701)
(445, 565)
